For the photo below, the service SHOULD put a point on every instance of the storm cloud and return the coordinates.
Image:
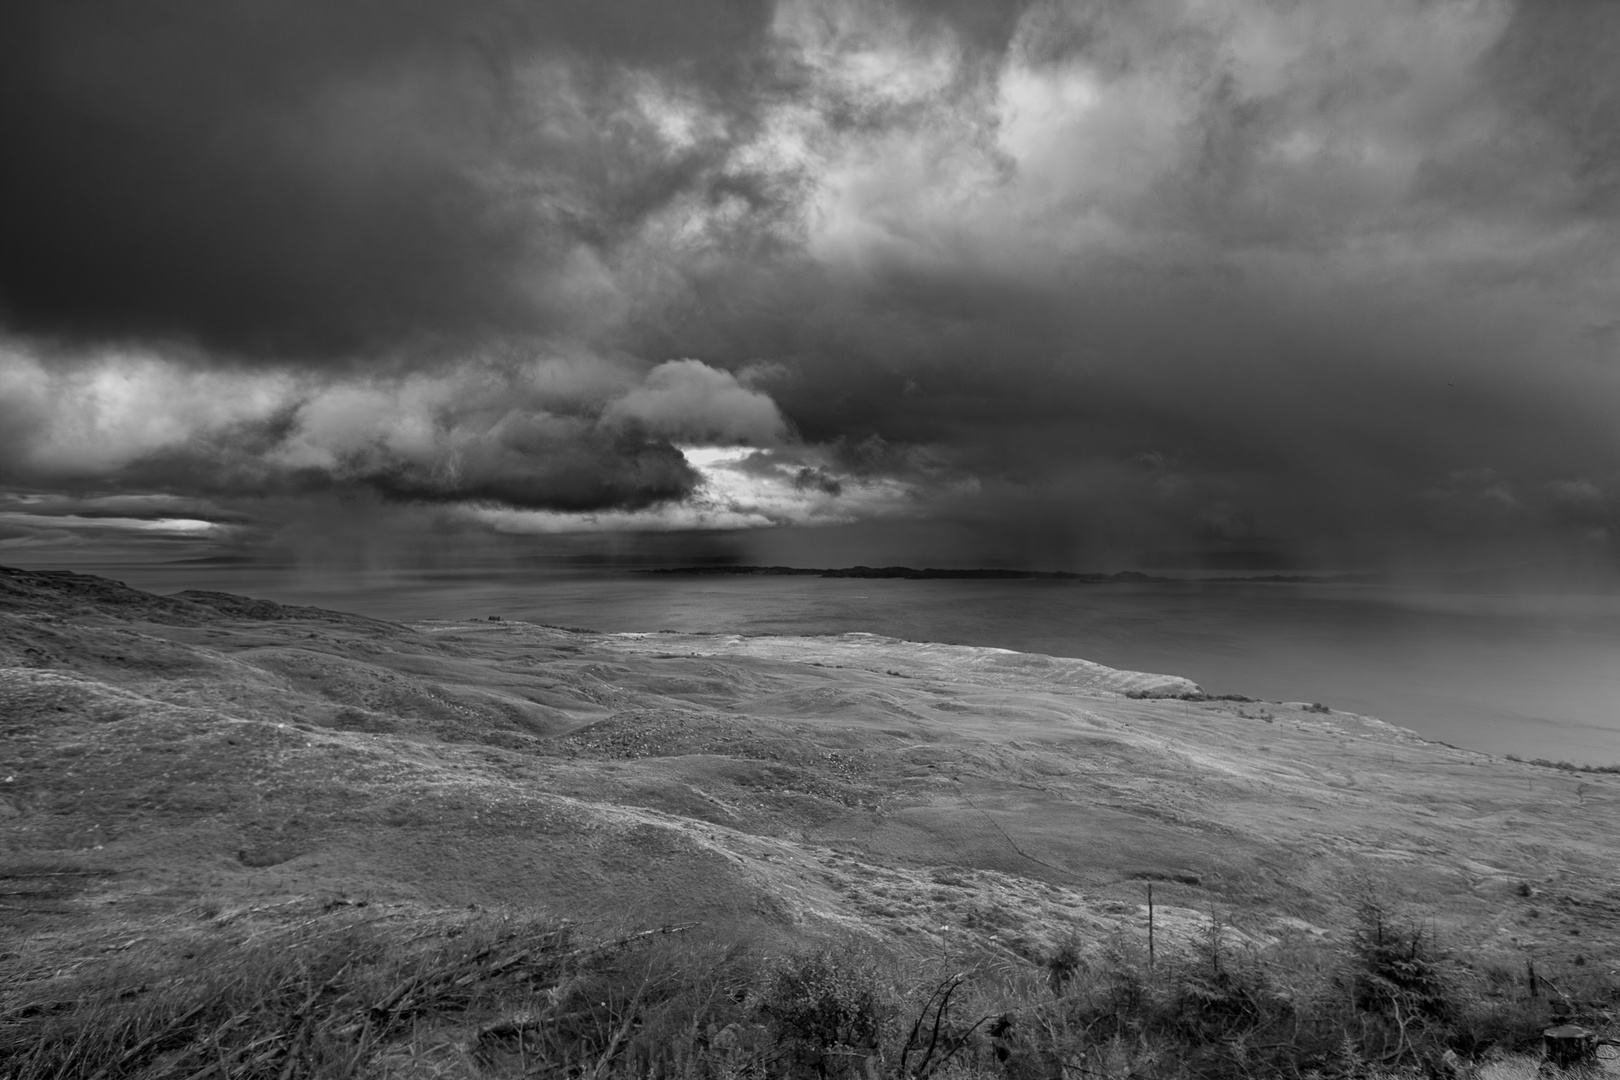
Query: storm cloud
(311, 181)
(1081, 284)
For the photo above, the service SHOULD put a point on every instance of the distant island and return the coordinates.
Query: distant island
(998, 574)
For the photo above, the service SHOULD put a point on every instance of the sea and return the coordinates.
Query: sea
(1534, 674)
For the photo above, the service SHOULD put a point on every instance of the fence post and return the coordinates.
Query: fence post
(1150, 926)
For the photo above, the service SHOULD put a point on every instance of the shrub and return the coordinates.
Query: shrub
(1395, 968)
(826, 1010)
(1062, 965)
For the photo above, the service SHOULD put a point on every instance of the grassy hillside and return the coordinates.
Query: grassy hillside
(243, 839)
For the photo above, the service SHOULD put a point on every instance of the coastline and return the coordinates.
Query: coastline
(190, 762)
(1530, 675)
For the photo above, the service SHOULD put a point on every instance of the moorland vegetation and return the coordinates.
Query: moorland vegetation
(342, 994)
(245, 840)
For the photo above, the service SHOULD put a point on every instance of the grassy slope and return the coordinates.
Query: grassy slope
(171, 763)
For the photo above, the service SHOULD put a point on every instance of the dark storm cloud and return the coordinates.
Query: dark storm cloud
(537, 464)
(1325, 258)
(1078, 281)
(1555, 59)
(1115, 425)
(311, 179)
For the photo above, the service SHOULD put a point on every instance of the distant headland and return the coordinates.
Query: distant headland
(995, 574)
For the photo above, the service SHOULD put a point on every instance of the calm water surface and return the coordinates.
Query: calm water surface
(1531, 674)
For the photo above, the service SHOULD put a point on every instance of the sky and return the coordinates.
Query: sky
(1231, 284)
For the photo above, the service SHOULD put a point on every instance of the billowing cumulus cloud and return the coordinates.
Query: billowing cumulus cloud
(564, 435)
(1225, 282)
(689, 401)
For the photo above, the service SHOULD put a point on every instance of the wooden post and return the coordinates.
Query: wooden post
(1150, 926)
(1530, 972)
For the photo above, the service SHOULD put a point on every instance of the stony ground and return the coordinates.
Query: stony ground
(166, 761)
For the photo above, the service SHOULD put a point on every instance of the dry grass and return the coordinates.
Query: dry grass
(337, 996)
(350, 993)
